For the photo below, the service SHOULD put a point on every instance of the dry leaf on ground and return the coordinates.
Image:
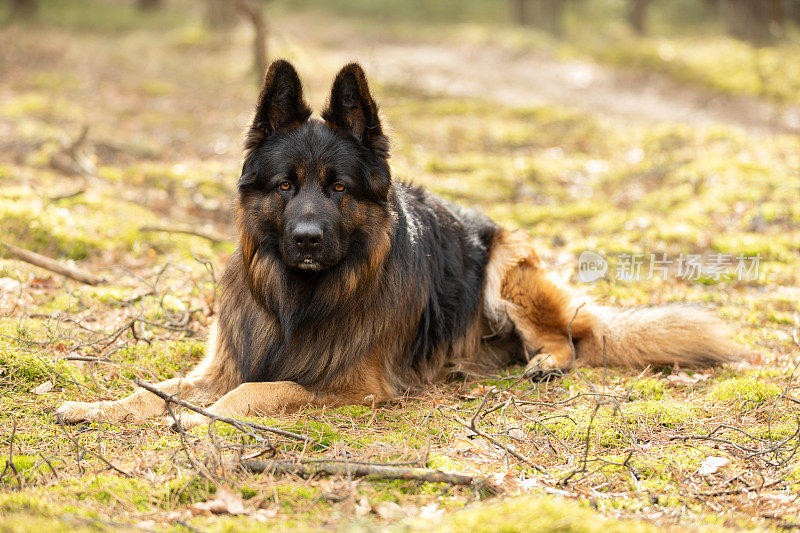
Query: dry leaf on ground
(43, 388)
(712, 465)
(225, 501)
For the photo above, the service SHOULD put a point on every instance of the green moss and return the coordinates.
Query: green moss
(746, 392)
(190, 36)
(611, 427)
(290, 495)
(109, 489)
(183, 491)
(724, 64)
(354, 411)
(41, 106)
(535, 514)
(29, 465)
(26, 368)
(157, 88)
(248, 492)
(667, 413)
(63, 302)
(443, 463)
(53, 81)
(647, 388)
(163, 358)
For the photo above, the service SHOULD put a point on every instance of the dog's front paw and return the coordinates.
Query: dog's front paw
(542, 366)
(188, 421)
(77, 412)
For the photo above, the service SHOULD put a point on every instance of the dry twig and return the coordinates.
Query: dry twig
(216, 239)
(239, 424)
(52, 265)
(359, 470)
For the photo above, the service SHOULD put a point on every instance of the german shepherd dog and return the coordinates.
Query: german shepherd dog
(350, 288)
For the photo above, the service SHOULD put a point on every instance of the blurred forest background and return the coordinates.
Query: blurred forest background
(625, 127)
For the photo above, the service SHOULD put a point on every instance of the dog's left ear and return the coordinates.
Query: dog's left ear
(352, 110)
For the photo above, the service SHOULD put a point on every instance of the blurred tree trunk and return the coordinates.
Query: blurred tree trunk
(220, 14)
(251, 9)
(757, 21)
(24, 8)
(545, 14)
(522, 14)
(794, 11)
(148, 5)
(637, 13)
(777, 17)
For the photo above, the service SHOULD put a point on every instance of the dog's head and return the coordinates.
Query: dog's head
(311, 191)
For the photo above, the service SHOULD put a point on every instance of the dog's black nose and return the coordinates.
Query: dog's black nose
(307, 236)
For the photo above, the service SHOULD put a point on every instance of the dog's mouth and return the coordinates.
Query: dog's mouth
(309, 264)
(310, 260)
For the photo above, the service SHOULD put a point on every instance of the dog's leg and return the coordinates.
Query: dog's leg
(214, 376)
(544, 311)
(546, 317)
(138, 406)
(264, 398)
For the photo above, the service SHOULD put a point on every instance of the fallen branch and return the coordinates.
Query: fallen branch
(68, 195)
(240, 424)
(52, 265)
(359, 470)
(185, 231)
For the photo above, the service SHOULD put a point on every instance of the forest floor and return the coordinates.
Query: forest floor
(579, 155)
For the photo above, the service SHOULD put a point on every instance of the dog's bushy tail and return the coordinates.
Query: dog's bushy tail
(660, 336)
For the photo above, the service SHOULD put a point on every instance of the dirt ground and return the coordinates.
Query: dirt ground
(523, 77)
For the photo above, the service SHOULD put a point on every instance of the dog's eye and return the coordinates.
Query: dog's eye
(338, 187)
(285, 186)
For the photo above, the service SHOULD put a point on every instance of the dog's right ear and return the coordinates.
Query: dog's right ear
(281, 105)
(352, 111)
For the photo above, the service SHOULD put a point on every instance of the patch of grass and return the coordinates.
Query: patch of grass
(185, 491)
(747, 392)
(25, 523)
(648, 388)
(163, 359)
(724, 64)
(447, 11)
(42, 106)
(667, 413)
(535, 514)
(33, 503)
(109, 489)
(25, 368)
